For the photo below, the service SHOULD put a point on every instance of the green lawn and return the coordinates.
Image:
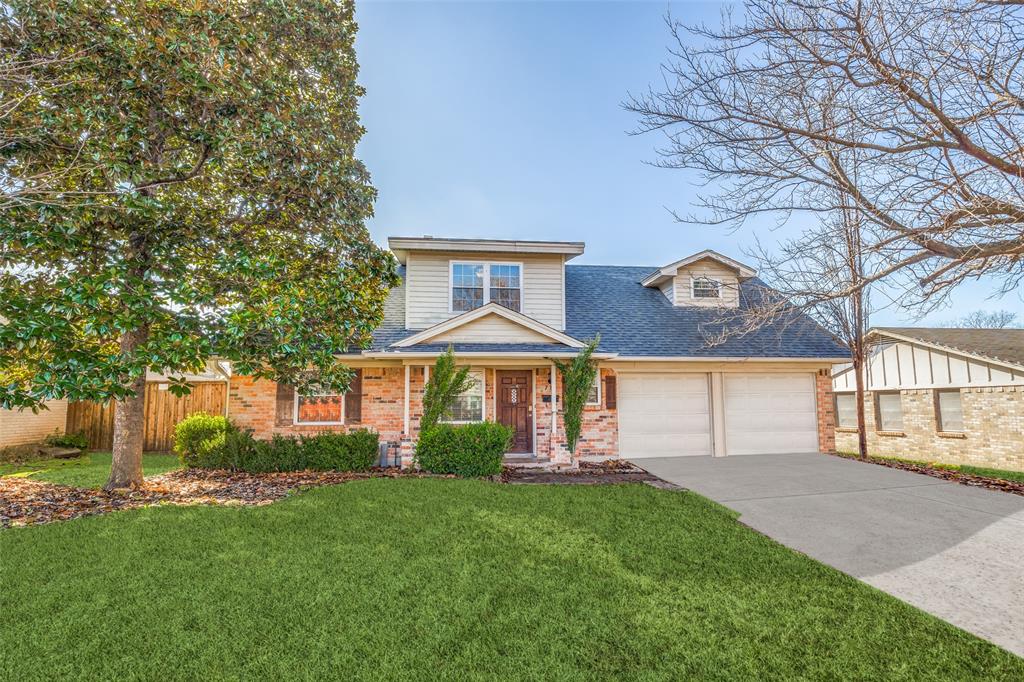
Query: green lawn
(990, 473)
(429, 579)
(987, 472)
(90, 471)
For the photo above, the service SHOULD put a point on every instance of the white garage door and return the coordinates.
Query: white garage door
(770, 413)
(663, 415)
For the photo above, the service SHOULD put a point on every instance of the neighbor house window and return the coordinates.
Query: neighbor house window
(846, 410)
(949, 413)
(319, 407)
(594, 397)
(888, 412)
(469, 405)
(474, 284)
(705, 287)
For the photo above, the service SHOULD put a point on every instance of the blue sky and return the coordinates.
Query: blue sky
(504, 120)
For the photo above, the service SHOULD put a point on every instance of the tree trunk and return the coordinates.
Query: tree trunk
(129, 415)
(862, 434)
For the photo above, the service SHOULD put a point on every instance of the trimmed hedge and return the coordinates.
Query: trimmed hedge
(206, 442)
(199, 439)
(466, 450)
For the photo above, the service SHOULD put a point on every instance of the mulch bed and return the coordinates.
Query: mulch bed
(1015, 487)
(588, 473)
(26, 502)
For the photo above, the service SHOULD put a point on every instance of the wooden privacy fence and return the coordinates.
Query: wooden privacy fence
(163, 411)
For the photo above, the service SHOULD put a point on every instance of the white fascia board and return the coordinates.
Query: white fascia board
(402, 245)
(669, 271)
(945, 349)
(489, 309)
(497, 355)
(690, 358)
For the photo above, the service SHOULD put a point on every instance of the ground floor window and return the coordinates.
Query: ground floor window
(846, 410)
(469, 405)
(888, 412)
(594, 397)
(319, 407)
(949, 413)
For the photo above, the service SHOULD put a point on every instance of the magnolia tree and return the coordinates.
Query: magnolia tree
(179, 183)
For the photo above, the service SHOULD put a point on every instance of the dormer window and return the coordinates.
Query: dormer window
(705, 287)
(475, 284)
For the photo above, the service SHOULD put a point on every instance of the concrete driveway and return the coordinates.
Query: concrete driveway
(949, 549)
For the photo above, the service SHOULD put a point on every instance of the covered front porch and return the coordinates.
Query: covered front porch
(521, 392)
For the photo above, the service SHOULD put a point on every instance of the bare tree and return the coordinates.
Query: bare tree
(804, 273)
(985, 319)
(929, 94)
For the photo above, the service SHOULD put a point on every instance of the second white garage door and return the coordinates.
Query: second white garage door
(770, 413)
(663, 415)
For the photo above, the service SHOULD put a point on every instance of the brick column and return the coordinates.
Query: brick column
(826, 411)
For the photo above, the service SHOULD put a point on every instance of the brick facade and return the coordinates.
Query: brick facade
(993, 433)
(21, 427)
(826, 411)
(252, 405)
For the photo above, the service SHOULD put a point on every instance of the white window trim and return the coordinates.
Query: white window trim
(295, 411)
(878, 411)
(940, 424)
(482, 375)
(487, 281)
(597, 378)
(705, 278)
(843, 395)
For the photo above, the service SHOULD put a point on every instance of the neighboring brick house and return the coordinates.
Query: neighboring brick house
(24, 427)
(509, 308)
(944, 395)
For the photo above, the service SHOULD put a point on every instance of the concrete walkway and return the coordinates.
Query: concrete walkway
(949, 549)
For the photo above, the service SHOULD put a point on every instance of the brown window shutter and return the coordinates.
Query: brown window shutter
(609, 391)
(285, 414)
(354, 399)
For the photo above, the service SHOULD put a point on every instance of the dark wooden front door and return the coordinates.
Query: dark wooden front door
(515, 406)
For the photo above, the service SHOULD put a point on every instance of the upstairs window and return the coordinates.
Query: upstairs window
(705, 287)
(475, 284)
(949, 412)
(888, 412)
(467, 286)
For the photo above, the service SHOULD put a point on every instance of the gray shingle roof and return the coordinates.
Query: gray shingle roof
(1006, 345)
(639, 321)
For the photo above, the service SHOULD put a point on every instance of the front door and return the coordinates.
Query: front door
(515, 406)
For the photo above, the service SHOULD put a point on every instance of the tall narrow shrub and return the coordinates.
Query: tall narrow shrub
(577, 377)
(445, 384)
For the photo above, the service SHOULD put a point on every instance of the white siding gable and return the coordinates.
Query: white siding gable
(711, 269)
(491, 329)
(893, 365)
(427, 281)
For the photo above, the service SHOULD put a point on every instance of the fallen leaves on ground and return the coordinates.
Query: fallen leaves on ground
(26, 502)
(963, 478)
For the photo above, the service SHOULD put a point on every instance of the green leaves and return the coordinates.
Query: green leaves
(445, 384)
(186, 168)
(577, 377)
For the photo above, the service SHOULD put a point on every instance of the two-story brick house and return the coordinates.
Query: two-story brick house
(509, 308)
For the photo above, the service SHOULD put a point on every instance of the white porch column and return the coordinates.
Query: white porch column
(405, 415)
(554, 407)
